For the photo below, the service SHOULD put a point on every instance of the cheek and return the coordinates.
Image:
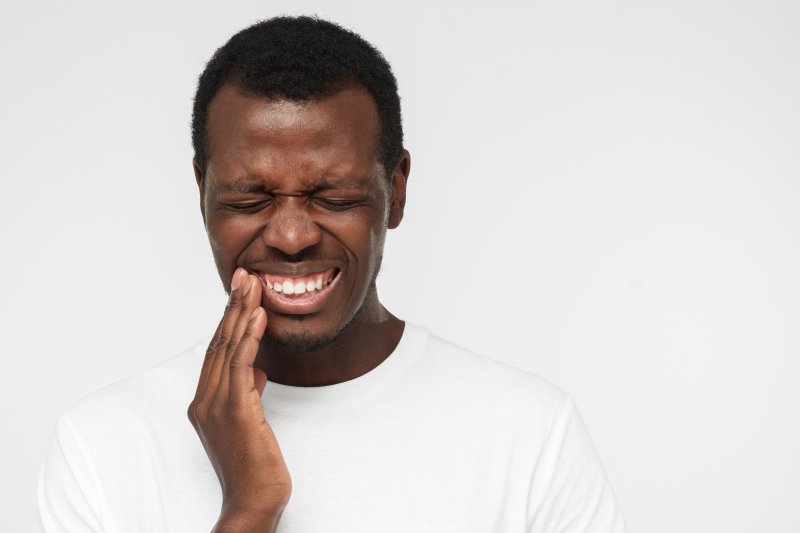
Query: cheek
(377, 237)
(229, 236)
(365, 241)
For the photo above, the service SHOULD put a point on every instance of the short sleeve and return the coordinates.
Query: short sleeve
(570, 492)
(67, 497)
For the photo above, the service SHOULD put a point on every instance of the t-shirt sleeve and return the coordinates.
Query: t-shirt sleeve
(570, 492)
(67, 496)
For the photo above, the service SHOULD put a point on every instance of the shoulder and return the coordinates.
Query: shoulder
(490, 384)
(159, 394)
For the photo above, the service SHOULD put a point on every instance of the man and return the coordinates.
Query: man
(368, 423)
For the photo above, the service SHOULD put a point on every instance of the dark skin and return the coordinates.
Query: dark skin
(291, 189)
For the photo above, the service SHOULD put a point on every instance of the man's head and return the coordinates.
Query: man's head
(301, 170)
(300, 59)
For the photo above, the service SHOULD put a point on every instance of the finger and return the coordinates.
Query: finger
(201, 396)
(242, 372)
(232, 312)
(207, 361)
(250, 302)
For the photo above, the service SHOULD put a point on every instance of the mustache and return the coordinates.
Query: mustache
(307, 260)
(313, 253)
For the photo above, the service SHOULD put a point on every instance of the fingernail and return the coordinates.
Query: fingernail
(248, 284)
(236, 280)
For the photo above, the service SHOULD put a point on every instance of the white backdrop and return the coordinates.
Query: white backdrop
(628, 171)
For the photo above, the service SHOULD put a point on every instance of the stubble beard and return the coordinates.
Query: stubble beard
(303, 342)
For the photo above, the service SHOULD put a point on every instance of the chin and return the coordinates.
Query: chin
(296, 337)
(296, 341)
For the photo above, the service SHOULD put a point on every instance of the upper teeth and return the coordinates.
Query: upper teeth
(299, 286)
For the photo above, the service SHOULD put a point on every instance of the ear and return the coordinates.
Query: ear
(399, 180)
(198, 176)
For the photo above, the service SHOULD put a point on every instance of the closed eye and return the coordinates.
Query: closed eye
(337, 205)
(250, 207)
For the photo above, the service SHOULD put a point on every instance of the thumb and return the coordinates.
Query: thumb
(260, 379)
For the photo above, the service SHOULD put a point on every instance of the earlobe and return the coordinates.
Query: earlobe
(399, 181)
(198, 176)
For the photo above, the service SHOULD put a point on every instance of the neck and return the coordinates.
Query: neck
(361, 346)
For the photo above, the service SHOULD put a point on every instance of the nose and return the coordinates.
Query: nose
(290, 228)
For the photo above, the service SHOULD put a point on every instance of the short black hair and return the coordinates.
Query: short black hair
(300, 59)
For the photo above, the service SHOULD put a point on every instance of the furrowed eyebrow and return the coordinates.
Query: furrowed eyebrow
(250, 188)
(335, 183)
(244, 187)
(326, 186)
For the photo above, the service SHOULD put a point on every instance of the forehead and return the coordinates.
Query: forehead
(254, 137)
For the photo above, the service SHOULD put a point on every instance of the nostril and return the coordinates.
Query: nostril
(291, 236)
(295, 258)
(308, 253)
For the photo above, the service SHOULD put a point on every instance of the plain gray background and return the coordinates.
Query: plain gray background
(604, 193)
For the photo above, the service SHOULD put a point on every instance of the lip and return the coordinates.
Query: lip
(296, 305)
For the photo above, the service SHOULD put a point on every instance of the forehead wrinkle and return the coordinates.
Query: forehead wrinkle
(305, 169)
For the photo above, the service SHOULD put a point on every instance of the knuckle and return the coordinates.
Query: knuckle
(236, 362)
(216, 342)
(212, 347)
(222, 340)
(234, 302)
(192, 413)
(248, 335)
(198, 412)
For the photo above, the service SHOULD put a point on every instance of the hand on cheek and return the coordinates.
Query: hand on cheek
(228, 415)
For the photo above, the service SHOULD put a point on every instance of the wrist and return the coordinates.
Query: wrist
(240, 521)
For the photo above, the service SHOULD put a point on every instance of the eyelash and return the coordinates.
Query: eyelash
(336, 205)
(249, 208)
(332, 205)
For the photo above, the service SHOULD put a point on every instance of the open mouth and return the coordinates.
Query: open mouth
(298, 286)
(298, 294)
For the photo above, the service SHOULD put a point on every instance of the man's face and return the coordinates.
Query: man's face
(294, 192)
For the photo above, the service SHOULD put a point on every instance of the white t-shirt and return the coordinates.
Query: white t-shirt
(435, 439)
